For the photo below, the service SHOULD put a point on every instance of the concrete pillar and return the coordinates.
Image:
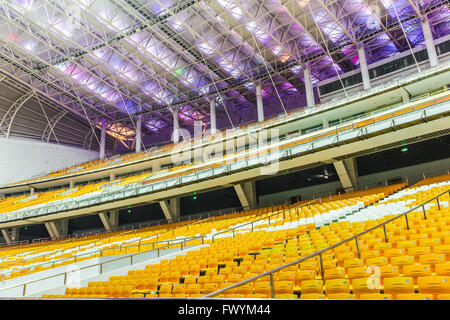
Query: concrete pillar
(246, 193)
(176, 128)
(71, 184)
(364, 68)
(110, 220)
(259, 102)
(310, 102)
(171, 208)
(6, 236)
(11, 235)
(32, 190)
(57, 229)
(112, 176)
(103, 139)
(212, 114)
(325, 123)
(138, 142)
(348, 174)
(431, 50)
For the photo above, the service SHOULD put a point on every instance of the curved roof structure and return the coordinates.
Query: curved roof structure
(96, 60)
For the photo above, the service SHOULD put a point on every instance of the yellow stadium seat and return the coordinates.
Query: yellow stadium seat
(414, 296)
(397, 285)
(337, 286)
(434, 285)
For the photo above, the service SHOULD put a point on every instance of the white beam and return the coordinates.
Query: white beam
(212, 114)
(364, 68)
(176, 128)
(431, 50)
(103, 139)
(138, 142)
(259, 102)
(310, 102)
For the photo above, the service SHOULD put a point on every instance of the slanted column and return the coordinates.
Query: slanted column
(176, 128)
(11, 235)
(57, 229)
(431, 50)
(212, 114)
(310, 102)
(246, 193)
(170, 208)
(259, 102)
(348, 174)
(138, 142)
(103, 139)
(364, 68)
(110, 220)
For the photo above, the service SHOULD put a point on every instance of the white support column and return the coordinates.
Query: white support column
(348, 174)
(176, 128)
(103, 139)
(364, 68)
(71, 184)
(310, 102)
(212, 114)
(246, 193)
(15, 234)
(112, 176)
(175, 207)
(138, 142)
(325, 123)
(52, 230)
(6, 236)
(165, 206)
(32, 190)
(114, 219)
(431, 50)
(259, 102)
(106, 221)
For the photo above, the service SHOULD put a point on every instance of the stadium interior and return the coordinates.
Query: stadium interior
(209, 149)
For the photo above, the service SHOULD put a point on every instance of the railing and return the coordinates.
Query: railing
(254, 158)
(131, 257)
(121, 247)
(320, 252)
(101, 253)
(264, 218)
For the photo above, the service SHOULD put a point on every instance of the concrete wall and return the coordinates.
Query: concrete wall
(22, 159)
(413, 173)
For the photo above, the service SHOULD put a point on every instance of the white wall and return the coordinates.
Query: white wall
(22, 159)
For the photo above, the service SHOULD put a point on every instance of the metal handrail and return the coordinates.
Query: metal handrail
(100, 252)
(260, 219)
(53, 262)
(319, 253)
(98, 264)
